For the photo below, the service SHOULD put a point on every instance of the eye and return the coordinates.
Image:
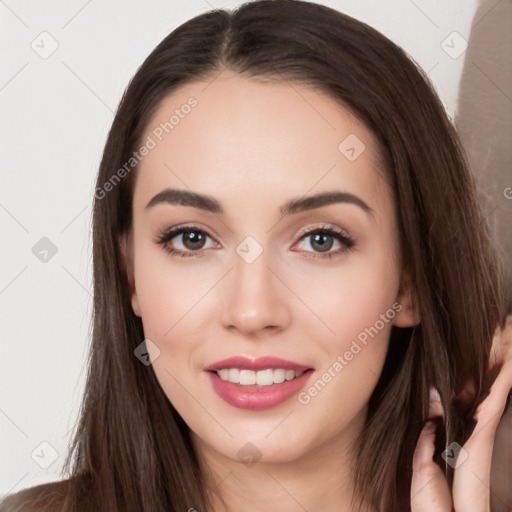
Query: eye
(322, 241)
(191, 238)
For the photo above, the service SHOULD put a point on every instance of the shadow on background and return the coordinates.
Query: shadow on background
(484, 122)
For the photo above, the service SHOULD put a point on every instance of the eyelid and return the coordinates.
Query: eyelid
(340, 234)
(322, 227)
(166, 234)
(347, 241)
(166, 231)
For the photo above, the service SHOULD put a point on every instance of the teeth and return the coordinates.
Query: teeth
(234, 374)
(290, 374)
(279, 376)
(247, 377)
(261, 377)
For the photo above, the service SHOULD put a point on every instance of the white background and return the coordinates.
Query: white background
(55, 115)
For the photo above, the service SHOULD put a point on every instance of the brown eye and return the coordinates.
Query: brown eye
(184, 241)
(193, 240)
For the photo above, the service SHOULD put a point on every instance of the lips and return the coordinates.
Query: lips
(256, 397)
(261, 363)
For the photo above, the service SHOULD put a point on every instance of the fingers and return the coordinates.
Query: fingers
(495, 356)
(471, 485)
(435, 406)
(489, 412)
(501, 349)
(429, 489)
(471, 488)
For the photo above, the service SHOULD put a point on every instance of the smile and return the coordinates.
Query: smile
(261, 378)
(257, 384)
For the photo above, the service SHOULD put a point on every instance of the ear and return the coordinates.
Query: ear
(408, 315)
(126, 251)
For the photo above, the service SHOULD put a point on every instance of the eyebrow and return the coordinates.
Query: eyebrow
(210, 204)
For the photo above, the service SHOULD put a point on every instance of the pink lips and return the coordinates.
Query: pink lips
(261, 363)
(255, 397)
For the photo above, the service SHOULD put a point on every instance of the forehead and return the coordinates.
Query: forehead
(233, 133)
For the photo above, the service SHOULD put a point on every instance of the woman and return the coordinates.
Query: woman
(289, 264)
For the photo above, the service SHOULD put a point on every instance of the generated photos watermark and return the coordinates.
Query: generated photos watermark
(157, 135)
(304, 397)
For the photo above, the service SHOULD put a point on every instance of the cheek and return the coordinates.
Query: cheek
(172, 303)
(168, 293)
(356, 309)
(352, 298)
(177, 304)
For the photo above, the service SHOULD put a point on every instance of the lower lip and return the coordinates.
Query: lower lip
(257, 398)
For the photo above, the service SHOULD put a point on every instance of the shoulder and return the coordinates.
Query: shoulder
(48, 497)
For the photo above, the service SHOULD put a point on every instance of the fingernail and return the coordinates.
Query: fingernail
(434, 394)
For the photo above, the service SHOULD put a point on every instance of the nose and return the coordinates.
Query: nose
(254, 298)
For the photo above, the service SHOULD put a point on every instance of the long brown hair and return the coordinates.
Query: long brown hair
(132, 450)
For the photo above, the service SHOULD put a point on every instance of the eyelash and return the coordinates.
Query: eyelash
(167, 235)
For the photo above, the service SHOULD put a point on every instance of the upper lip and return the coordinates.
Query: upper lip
(260, 363)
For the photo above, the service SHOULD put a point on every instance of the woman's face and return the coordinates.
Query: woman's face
(255, 283)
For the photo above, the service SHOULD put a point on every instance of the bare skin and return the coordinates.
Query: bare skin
(254, 147)
(471, 485)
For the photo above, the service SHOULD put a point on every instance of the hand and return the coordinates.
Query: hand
(471, 484)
